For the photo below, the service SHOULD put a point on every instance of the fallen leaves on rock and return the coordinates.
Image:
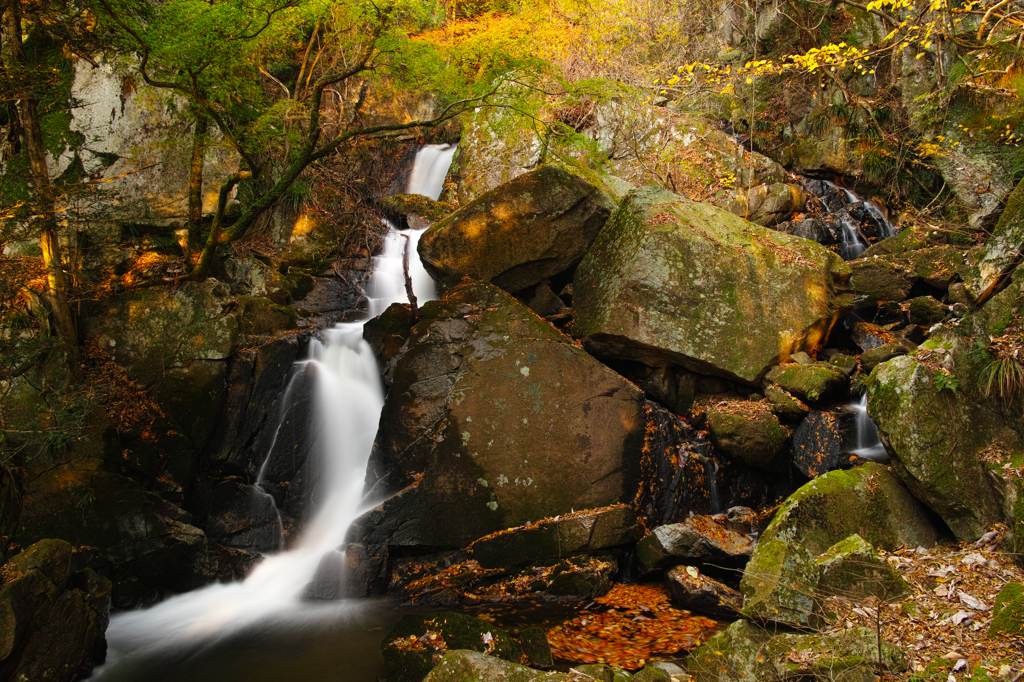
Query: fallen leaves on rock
(627, 626)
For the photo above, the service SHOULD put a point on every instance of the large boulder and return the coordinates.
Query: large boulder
(460, 665)
(868, 501)
(935, 437)
(53, 614)
(496, 419)
(519, 234)
(672, 280)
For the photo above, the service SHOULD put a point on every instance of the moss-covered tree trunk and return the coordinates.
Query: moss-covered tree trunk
(43, 196)
(195, 187)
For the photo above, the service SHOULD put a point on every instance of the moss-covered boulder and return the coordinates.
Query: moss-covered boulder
(417, 643)
(698, 540)
(873, 357)
(811, 383)
(935, 436)
(496, 420)
(747, 432)
(673, 280)
(519, 234)
(416, 204)
(784, 404)
(868, 501)
(746, 653)
(471, 666)
(53, 614)
(852, 568)
(925, 310)
(881, 279)
(466, 666)
(1008, 612)
(779, 585)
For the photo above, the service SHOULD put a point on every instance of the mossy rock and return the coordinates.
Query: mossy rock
(407, 659)
(754, 438)
(873, 357)
(262, 317)
(852, 568)
(605, 673)
(1008, 612)
(745, 652)
(673, 280)
(844, 363)
(779, 585)
(925, 310)
(935, 438)
(651, 674)
(471, 666)
(881, 279)
(417, 204)
(868, 501)
(521, 233)
(784, 404)
(812, 383)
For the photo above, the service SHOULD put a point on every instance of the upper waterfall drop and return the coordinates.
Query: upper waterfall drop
(349, 398)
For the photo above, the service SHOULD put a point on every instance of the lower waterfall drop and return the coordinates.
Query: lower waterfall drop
(349, 401)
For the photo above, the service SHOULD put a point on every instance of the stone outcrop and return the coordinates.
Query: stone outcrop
(519, 234)
(669, 280)
(747, 432)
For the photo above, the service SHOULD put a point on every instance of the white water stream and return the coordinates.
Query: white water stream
(349, 398)
(869, 445)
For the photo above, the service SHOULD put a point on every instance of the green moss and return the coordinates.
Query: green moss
(1008, 612)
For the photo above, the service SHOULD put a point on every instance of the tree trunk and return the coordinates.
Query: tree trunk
(43, 195)
(195, 187)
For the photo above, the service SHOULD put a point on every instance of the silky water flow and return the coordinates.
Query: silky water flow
(258, 628)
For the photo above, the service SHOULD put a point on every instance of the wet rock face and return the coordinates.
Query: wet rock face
(53, 614)
(676, 470)
(682, 282)
(818, 444)
(496, 419)
(520, 233)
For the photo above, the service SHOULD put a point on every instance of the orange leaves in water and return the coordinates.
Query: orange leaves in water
(628, 626)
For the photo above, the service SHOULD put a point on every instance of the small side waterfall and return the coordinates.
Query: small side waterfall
(348, 402)
(852, 219)
(869, 446)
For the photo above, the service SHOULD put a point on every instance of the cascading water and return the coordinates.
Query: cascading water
(869, 445)
(349, 401)
(852, 215)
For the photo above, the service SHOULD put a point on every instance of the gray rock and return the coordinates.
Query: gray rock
(698, 540)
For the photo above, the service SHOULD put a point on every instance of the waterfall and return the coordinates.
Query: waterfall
(349, 399)
(852, 241)
(869, 445)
